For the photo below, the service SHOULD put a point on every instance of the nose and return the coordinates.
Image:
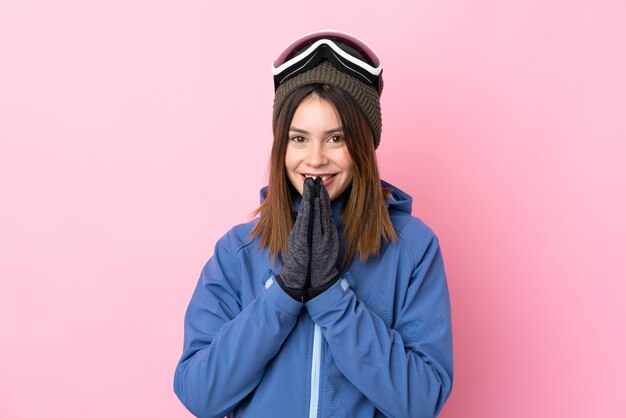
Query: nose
(316, 156)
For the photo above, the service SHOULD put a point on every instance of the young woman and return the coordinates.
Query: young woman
(334, 301)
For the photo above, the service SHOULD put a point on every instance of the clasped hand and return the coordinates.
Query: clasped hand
(313, 245)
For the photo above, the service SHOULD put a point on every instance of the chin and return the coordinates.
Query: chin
(334, 192)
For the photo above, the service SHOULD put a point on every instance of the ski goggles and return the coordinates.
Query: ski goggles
(345, 52)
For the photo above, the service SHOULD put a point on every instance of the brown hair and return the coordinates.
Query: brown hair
(363, 235)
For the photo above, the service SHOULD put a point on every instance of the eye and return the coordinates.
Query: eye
(335, 139)
(297, 139)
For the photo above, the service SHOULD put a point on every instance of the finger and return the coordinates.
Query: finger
(317, 220)
(305, 202)
(324, 195)
(318, 186)
(326, 212)
(308, 190)
(304, 219)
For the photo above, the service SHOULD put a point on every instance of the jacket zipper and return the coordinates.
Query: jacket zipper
(315, 371)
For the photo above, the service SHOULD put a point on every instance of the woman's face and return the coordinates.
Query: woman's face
(317, 147)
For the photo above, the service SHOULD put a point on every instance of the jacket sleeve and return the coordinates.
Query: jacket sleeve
(226, 348)
(405, 371)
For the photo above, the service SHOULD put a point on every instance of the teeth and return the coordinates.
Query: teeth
(324, 178)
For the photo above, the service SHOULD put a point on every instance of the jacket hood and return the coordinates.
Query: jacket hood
(398, 200)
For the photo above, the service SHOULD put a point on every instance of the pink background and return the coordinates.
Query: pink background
(134, 133)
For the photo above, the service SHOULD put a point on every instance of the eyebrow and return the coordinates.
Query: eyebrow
(304, 131)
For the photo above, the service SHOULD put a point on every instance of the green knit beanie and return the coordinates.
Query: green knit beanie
(366, 97)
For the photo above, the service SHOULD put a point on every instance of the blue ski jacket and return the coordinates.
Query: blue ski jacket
(377, 343)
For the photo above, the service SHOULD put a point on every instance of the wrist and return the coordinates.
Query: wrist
(299, 295)
(312, 291)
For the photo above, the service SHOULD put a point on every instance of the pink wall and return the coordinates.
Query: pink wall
(134, 133)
